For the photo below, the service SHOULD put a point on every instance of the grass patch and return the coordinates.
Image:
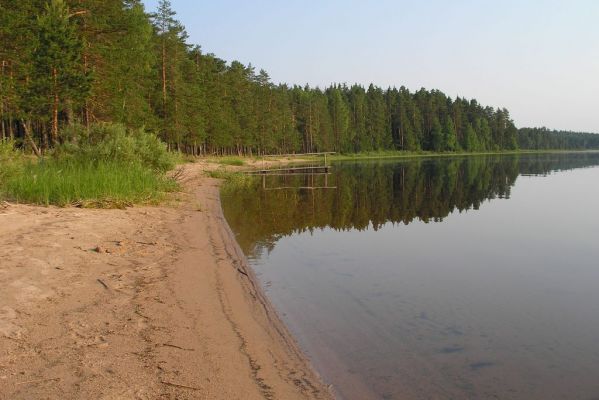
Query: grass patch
(222, 173)
(106, 166)
(231, 178)
(236, 161)
(105, 184)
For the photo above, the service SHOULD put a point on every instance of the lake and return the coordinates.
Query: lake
(443, 278)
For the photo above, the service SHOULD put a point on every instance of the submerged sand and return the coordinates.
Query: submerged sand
(143, 303)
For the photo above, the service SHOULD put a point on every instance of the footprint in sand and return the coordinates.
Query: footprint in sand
(40, 265)
(28, 292)
(8, 327)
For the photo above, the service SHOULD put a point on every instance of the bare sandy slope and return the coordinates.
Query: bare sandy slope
(144, 303)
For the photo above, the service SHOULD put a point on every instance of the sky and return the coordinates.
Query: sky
(537, 58)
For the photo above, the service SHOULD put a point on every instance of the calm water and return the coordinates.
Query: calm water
(473, 278)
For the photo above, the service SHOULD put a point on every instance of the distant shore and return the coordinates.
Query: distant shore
(143, 303)
(428, 154)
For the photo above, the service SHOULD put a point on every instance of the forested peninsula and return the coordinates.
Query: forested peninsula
(69, 64)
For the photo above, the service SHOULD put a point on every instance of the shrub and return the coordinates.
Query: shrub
(108, 142)
(104, 166)
(153, 152)
(10, 159)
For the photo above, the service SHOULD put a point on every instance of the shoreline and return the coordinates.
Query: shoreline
(140, 303)
(432, 154)
(268, 161)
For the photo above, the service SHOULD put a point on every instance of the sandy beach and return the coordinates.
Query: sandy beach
(142, 303)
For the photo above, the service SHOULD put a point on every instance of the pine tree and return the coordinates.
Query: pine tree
(357, 105)
(340, 119)
(470, 139)
(438, 141)
(57, 79)
(451, 140)
(171, 38)
(377, 129)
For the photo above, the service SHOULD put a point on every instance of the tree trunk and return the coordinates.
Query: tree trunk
(310, 146)
(55, 120)
(69, 112)
(27, 130)
(55, 109)
(401, 138)
(164, 77)
(11, 133)
(2, 127)
(85, 68)
(45, 140)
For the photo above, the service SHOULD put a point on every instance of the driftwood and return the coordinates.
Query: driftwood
(178, 174)
(101, 282)
(176, 347)
(180, 386)
(37, 381)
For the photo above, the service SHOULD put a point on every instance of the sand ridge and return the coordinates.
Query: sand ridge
(143, 303)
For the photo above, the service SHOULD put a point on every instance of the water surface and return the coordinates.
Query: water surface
(449, 278)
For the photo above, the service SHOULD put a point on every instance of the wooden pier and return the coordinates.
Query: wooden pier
(305, 170)
(309, 171)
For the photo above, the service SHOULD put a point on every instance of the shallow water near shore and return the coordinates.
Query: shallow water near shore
(448, 278)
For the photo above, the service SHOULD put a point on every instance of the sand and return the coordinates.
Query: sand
(143, 303)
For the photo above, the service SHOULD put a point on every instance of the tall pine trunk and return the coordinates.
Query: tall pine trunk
(164, 77)
(86, 105)
(2, 91)
(55, 108)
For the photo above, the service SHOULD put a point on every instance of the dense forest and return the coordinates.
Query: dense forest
(68, 64)
(369, 195)
(543, 138)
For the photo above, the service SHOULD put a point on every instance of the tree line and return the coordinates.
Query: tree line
(68, 64)
(543, 138)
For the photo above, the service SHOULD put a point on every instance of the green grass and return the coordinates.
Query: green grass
(107, 165)
(236, 161)
(231, 178)
(222, 173)
(105, 184)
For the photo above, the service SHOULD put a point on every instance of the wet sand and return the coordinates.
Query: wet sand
(143, 303)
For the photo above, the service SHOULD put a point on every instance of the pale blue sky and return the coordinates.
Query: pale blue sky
(538, 58)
